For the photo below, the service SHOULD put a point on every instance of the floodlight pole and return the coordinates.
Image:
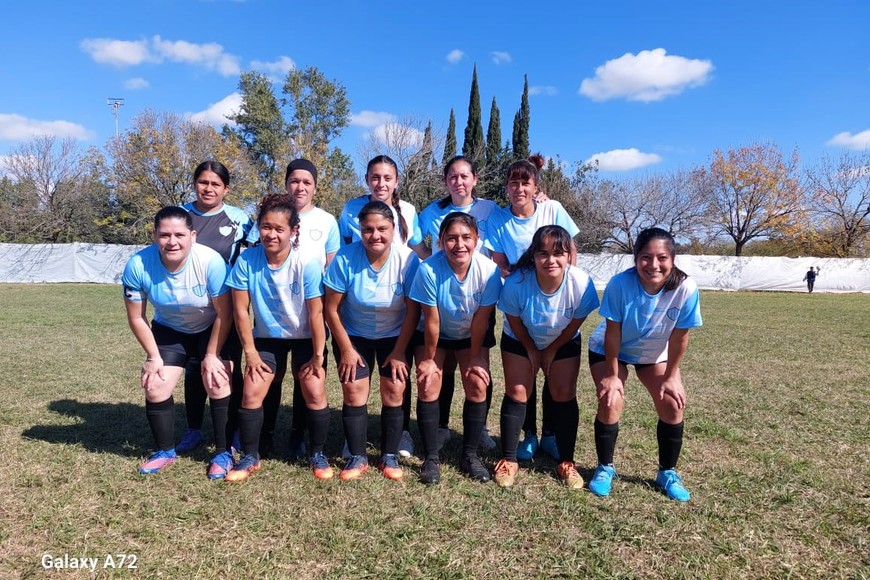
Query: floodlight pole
(116, 103)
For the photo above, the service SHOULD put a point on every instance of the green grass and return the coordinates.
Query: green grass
(777, 456)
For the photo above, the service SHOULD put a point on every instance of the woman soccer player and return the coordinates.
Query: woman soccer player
(221, 227)
(285, 292)
(509, 234)
(457, 289)
(371, 317)
(545, 300)
(648, 311)
(185, 282)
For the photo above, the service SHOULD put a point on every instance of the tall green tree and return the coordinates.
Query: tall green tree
(521, 148)
(450, 139)
(493, 135)
(473, 146)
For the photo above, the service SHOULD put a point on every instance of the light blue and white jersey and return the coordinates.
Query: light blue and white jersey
(348, 223)
(647, 321)
(437, 285)
(545, 316)
(182, 300)
(278, 295)
(222, 230)
(512, 236)
(374, 300)
(480, 209)
(318, 235)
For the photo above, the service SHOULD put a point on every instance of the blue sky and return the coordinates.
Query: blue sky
(641, 85)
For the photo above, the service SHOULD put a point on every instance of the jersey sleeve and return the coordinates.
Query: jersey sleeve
(492, 289)
(493, 241)
(416, 235)
(563, 218)
(589, 302)
(336, 274)
(312, 280)
(253, 235)
(217, 275)
(424, 289)
(344, 230)
(132, 280)
(509, 301)
(411, 269)
(690, 313)
(611, 307)
(333, 239)
(238, 277)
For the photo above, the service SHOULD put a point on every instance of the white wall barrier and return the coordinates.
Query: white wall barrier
(104, 263)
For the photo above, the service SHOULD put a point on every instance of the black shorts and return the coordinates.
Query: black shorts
(274, 351)
(369, 349)
(177, 348)
(232, 350)
(595, 358)
(570, 349)
(458, 343)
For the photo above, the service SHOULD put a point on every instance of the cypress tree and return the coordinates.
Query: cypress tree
(450, 140)
(493, 136)
(473, 146)
(521, 125)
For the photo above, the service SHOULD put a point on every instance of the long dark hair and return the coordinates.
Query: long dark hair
(446, 200)
(396, 201)
(561, 241)
(281, 203)
(215, 167)
(676, 277)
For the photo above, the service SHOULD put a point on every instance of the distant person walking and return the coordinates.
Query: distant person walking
(810, 279)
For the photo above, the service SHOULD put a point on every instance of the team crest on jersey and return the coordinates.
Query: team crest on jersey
(477, 296)
(568, 313)
(315, 234)
(199, 290)
(294, 287)
(673, 313)
(226, 230)
(397, 289)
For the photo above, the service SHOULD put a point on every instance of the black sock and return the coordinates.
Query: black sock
(220, 409)
(355, 421)
(670, 443)
(445, 399)
(427, 422)
(194, 397)
(391, 429)
(605, 441)
(406, 406)
(271, 404)
(250, 425)
(548, 421)
(300, 413)
(530, 419)
(318, 429)
(512, 415)
(161, 419)
(566, 417)
(473, 420)
(233, 412)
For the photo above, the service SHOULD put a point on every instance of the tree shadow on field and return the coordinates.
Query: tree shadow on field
(119, 428)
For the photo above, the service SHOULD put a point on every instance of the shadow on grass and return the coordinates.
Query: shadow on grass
(119, 428)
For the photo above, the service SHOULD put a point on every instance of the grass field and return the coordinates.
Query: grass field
(777, 456)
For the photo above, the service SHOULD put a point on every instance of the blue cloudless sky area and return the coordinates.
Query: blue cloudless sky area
(638, 85)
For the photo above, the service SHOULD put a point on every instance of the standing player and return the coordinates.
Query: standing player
(184, 281)
(648, 311)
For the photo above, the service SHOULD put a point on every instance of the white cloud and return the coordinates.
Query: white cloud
(547, 90)
(499, 57)
(623, 159)
(651, 75)
(120, 53)
(398, 135)
(17, 128)
(277, 68)
(455, 56)
(216, 113)
(136, 84)
(371, 118)
(848, 140)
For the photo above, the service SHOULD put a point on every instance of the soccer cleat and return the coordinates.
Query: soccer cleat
(602, 480)
(486, 440)
(567, 472)
(406, 445)
(443, 437)
(672, 485)
(220, 465)
(527, 447)
(320, 466)
(157, 461)
(473, 467)
(548, 446)
(430, 472)
(345, 451)
(506, 472)
(237, 444)
(244, 468)
(297, 450)
(191, 439)
(355, 468)
(390, 467)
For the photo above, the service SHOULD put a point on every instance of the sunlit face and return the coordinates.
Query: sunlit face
(521, 192)
(377, 234)
(300, 185)
(210, 191)
(460, 181)
(174, 240)
(382, 181)
(458, 244)
(654, 264)
(551, 261)
(276, 234)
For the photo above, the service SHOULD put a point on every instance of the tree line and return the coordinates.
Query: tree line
(748, 200)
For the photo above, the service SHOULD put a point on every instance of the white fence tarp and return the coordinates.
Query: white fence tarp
(104, 263)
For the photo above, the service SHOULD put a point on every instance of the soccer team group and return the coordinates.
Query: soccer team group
(369, 283)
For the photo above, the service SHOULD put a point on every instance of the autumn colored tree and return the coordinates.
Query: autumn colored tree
(840, 199)
(756, 193)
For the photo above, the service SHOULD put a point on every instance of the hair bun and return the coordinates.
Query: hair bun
(537, 160)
